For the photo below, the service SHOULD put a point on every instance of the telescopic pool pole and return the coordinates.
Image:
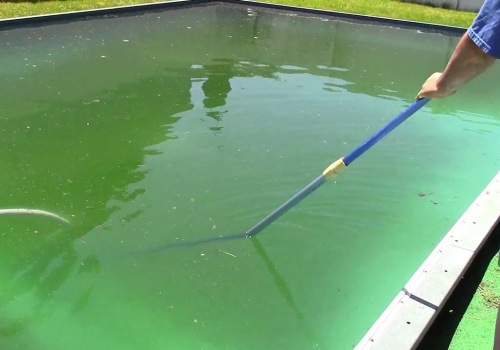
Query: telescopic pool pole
(333, 170)
(336, 167)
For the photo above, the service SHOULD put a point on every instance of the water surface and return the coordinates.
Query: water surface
(178, 125)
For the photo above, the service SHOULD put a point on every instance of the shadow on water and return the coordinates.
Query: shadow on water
(216, 88)
(284, 290)
(217, 85)
(196, 242)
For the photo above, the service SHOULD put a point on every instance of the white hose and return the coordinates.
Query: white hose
(32, 212)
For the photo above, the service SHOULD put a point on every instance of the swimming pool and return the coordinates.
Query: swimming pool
(182, 123)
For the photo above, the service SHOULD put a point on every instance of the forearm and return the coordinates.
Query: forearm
(466, 62)
(475, 52)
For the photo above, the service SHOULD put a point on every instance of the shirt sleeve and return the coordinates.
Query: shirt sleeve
(485, 30)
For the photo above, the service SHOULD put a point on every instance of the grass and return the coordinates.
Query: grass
(477, 327)
(21, 9)
(390, 8)
(382, 8)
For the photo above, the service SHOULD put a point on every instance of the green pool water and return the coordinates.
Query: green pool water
(148, 129)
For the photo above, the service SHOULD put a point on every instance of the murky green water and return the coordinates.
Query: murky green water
(143, 130)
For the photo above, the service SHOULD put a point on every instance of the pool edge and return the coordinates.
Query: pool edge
(349, 15)
(123, 10)
(405, 321)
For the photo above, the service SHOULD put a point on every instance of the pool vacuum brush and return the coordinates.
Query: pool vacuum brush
(333, 170)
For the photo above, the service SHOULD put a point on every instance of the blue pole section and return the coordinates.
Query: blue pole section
(285, 206)
(415, 106)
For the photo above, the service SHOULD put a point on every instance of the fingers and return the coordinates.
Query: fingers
(425, 93)
(433, 87)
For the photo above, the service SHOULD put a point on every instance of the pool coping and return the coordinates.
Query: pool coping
(407, 318)
(405, 321)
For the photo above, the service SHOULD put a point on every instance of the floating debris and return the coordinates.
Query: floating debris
(223, 251)
(423, 194)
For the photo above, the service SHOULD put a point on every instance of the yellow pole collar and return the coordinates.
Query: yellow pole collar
(334, 169)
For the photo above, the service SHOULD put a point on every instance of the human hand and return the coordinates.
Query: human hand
(433, 87)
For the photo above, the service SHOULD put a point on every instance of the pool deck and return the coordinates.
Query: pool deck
(467, 320)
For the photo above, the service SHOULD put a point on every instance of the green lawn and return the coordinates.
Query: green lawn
(477, 327)
(383, 8)
(20, 8)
